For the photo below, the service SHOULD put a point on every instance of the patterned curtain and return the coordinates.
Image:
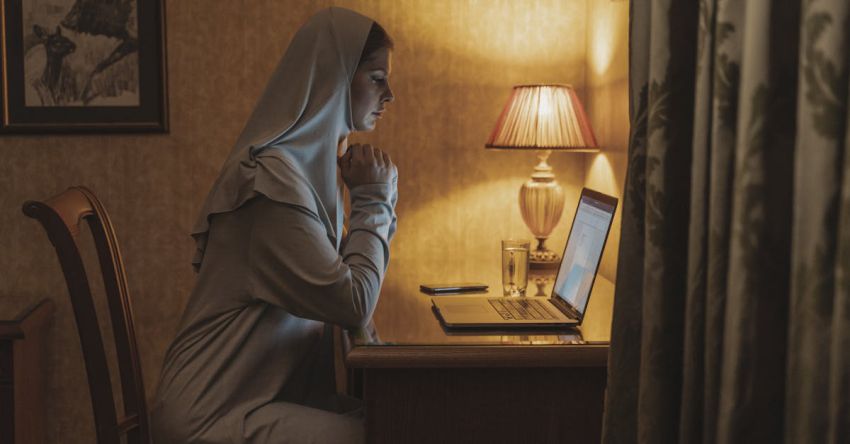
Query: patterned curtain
(732, 308)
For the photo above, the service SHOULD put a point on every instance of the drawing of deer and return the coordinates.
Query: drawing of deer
(55, 85)
(110, 18)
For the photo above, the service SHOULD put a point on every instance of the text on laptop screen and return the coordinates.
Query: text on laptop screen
(583, 252)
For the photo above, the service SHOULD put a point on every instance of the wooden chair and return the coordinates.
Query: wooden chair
(61, 216)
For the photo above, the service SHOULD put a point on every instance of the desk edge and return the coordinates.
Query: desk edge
(454, 356)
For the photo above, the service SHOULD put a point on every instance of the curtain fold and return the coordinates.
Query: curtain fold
(732, 304)
(725, 76)
(620, 418)
(753, 354)
(819, 322)
(669, 128)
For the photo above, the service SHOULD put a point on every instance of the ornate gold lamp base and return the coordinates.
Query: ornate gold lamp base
(542, 257)
(541, 202)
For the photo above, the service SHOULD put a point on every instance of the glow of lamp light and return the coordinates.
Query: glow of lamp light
(544, 107)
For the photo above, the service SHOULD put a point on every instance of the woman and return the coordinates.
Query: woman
(252, 360)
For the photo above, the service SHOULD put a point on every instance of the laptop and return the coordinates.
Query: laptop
(566, 305)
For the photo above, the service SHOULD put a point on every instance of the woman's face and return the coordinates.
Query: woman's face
(370, 90)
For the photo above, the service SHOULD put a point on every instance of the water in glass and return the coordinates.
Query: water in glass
(515, 270)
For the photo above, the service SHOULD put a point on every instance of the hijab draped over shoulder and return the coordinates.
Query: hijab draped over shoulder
(288, 149)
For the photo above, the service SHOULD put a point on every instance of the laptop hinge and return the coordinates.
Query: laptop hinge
(572, 312)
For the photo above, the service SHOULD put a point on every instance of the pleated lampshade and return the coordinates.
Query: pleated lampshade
(543, 117)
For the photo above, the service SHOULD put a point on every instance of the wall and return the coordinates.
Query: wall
(454, 65)
(607, 105)
(456, 62)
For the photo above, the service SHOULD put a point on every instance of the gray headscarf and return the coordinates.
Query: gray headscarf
(288, 149)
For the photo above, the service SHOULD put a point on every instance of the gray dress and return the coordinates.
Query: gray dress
(252, 360)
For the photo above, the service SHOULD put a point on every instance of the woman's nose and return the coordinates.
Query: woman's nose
(388, 96)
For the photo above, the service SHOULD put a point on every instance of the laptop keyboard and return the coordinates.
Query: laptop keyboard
(521, 308)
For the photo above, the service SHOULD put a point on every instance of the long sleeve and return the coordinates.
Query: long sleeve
(296, 267)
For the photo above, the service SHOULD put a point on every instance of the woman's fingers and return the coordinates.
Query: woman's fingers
(355, 151)
(367, 164)
(362, 154)
(381, 158)
(366, 154)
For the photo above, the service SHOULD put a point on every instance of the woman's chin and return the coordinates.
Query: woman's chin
(367, 126)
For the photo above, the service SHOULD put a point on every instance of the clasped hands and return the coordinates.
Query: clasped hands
(364, 164)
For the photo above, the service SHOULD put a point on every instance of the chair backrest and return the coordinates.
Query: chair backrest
(61, 217)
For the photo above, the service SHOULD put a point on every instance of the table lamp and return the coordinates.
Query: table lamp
(543, 118)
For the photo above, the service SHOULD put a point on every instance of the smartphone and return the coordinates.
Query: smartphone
(455, 287)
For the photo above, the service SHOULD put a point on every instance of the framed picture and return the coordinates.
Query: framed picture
(83, 66)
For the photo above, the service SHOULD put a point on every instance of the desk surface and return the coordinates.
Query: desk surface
(405, 332)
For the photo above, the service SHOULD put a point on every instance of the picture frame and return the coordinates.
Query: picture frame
(83, 66)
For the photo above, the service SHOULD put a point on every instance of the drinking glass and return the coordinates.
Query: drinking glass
(515, 267)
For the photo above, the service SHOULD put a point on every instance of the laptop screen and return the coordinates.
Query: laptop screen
(584, 249)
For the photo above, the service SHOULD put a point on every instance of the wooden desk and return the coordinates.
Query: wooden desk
(22, 375)
(421, 383)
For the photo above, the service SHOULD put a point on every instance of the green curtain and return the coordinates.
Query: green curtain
(732, 307)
